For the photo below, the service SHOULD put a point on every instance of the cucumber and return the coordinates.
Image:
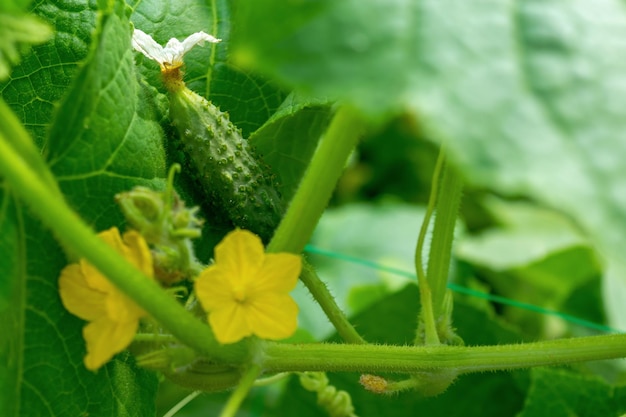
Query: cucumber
(234, 179)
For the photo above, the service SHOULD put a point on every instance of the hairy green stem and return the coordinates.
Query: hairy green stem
(318, 183)
(446, 212)
(279, 357)
(326, 301)
(73, 232)
(427, 315)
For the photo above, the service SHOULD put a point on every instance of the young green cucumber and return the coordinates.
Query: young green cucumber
(232, 176)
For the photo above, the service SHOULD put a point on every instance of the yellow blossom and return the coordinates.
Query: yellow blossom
(113, 318)
(246, 291)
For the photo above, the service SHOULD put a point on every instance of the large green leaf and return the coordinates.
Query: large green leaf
(93, 158)
(41, 79)
(526, 95)
(12, 293)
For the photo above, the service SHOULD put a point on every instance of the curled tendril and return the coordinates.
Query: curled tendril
(336, 402)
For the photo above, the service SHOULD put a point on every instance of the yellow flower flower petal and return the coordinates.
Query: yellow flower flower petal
(120, 308)
(246, 292)
(241, 252)
(137, 251)
(230, 324)
(106, 338)
(77, 296)
(113, 317)
(285, 265)
(94, 278)
(273, 316)
(214, 289)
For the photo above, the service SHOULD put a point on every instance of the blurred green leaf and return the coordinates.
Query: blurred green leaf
(363, 52)
(528, 99)
(534, 255)
(525, 234)
(560, 393)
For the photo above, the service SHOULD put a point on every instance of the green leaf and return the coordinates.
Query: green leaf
(88, 152)
(394, 320)
(41, 79)
(289, 138)
(560, 393)
(93, 159)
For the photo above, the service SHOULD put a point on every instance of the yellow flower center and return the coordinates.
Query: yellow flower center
(239, 292)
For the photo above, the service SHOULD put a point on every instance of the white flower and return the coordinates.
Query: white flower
(170, 56)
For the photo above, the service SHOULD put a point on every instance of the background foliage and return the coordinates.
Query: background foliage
(526, 97)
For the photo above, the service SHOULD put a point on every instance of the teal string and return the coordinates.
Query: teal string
(464, 290)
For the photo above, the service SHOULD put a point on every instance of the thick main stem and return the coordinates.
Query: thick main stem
(412, 359)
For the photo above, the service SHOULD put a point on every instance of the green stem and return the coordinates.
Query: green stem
(179, 406)
(448, 202)
(427, 315)
(72, 231)
(279, 357)
(318, 183)
(240, 393)
(335, 315)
